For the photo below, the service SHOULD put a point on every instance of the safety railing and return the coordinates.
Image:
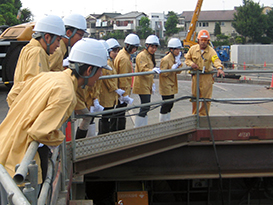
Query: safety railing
(15, 194)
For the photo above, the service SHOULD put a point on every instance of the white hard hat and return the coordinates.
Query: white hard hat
(174, 43)
(76, 21)
(152, 40)
(132, 39)
(113, 43)
(50, 24)
(106, 47)
(89, 51)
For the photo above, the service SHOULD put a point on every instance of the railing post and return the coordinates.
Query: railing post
(197, 96)
(22, 170)
(13, 191)
(63, 159)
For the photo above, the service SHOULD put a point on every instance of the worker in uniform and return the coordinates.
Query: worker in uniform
(34, 57)
(201, 57)
(144, 85)
(168, 81)
(75, 26)
(40, 105)
(123, 65)
(110, 92)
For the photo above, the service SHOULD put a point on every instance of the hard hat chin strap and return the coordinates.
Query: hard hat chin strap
(48, 44)
(69, 39)
(76, 67)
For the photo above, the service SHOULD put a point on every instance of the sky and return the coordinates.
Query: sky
(86, 7)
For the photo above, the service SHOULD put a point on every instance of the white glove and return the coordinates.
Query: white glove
(120, 92)
(153, 88)
(65, 62)
(97, 107)
(177, 58)
(156, 70)
(175, 66)
(126, 99)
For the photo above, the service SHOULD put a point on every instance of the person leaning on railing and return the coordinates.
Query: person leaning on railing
(39, 106)
(201, 57)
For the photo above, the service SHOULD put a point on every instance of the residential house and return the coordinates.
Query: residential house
(208, 19)
(157, 22)
(128, 22)
(91, 20)
(104, 23)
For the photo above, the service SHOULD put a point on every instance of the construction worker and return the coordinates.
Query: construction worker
(168, 81)
(40, 105)
(144, 85)
(201, 57)
(75, 25)
(110, 92)
(34, 57)
(123, 65)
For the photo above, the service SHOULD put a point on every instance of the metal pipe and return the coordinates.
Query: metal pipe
(22, 170)
(49, 178)
(11, 188)
(197, 97)
(63, 160)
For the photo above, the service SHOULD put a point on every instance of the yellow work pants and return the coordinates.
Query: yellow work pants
(205, 91)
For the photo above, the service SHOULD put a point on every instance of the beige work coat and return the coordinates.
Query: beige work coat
(123, 65)
(143, 84)
(56, 59)
(32, 60)
(38, 108)
(168, 81)
(108, 97)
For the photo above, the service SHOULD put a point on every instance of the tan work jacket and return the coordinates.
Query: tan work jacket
(209, 57)
(168, 81)
(32, 60)
(108, 97)
(123, 65)
(56, 59)
(38, 108)
(143, 84)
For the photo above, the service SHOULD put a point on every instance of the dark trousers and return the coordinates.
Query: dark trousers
(119, 121)
(105, 122)
(44, 156)
(144, 110)
(166, 107)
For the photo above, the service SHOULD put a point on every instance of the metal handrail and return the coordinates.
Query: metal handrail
(14, 193)
(22, 170)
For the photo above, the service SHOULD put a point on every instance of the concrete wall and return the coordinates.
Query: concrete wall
(251, 54)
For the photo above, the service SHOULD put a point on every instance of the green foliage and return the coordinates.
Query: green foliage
(249, 20)
(2, 20)
(144, 30)
(171, 23)
(9, 10)
(265, 40)
(115, 34)
(240, 40)
(217, 29)
(269, 29)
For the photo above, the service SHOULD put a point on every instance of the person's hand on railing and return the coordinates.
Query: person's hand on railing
(126, 99)
(156, 70)
(97, 107)
(120, 92)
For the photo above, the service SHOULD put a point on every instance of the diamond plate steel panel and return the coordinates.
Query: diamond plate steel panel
(110, 142)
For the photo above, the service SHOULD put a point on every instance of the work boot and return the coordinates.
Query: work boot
(91, 130)
(141, 121)
(80, 133)
(163, 117)
(104, 127)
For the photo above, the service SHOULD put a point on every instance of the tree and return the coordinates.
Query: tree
(171, 23)
(9, 10)
(144, 30)
(217, 29)
(249, 20)
(269, 29)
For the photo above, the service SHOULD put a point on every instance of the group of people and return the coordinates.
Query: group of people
(57, 73)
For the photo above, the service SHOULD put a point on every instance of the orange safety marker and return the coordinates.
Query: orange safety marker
(271, 86)
(233, 65)
(244, 65)
(265, 64)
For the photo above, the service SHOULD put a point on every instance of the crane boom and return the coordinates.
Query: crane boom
(189, 40)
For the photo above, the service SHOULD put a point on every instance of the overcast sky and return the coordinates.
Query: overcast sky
(85, 7)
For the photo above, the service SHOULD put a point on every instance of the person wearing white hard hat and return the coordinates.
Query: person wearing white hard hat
(144, 85)
(201, 57)
(168, 81)
(124, 65)
(75, 26)
(40, 105)
(110, 92)
(33, 58)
